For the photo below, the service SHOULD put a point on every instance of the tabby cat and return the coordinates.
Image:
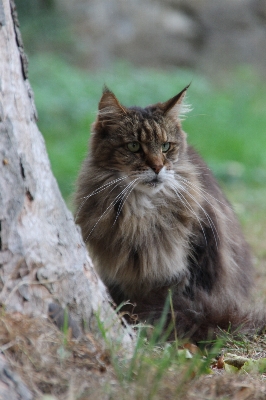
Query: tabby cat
(154, 218)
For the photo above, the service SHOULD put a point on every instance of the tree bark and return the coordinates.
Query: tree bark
(43, 258)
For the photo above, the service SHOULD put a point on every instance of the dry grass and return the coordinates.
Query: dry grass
(50, 362)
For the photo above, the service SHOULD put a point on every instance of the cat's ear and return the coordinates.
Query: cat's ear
(175, 107)
(109, 106)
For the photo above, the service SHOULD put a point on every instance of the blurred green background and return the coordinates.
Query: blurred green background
(227, 124)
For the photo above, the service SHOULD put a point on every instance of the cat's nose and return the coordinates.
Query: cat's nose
(157, 168)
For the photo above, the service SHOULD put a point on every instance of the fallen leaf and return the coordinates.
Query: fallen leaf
(193, 349)
(220, 362)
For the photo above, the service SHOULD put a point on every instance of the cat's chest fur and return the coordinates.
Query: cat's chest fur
(148, 233)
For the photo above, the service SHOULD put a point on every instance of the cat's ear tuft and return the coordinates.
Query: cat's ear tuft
(109, 105)
(176, 108)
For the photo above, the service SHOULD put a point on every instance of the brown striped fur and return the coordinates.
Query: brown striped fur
(155, 219)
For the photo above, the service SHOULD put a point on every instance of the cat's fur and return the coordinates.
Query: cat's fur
(155, 220)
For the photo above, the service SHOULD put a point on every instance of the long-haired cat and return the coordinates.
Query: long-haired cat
(154, 218)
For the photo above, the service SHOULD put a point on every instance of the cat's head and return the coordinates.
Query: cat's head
(143, 143)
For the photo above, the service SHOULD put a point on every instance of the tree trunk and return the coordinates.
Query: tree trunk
(43, 259)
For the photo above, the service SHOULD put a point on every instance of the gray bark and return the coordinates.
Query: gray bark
(11, 386)
(43, 259)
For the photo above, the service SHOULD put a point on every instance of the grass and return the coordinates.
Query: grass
(227, 124)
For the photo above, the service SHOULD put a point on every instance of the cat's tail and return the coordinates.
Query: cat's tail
(235, 320)
(207, 319)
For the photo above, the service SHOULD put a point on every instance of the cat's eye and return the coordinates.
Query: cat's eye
(165, 147)
(133, 146)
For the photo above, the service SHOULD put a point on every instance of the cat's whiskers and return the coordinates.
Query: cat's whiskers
(125, 197)
(212, 225)
(188, 206)
(98, 190)
(104, 186)
(200, 190)
(116, 199)
(203, 193)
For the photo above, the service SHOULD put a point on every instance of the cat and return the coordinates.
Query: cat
(154, 218)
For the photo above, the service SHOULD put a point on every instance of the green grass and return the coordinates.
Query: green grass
(227, 124)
